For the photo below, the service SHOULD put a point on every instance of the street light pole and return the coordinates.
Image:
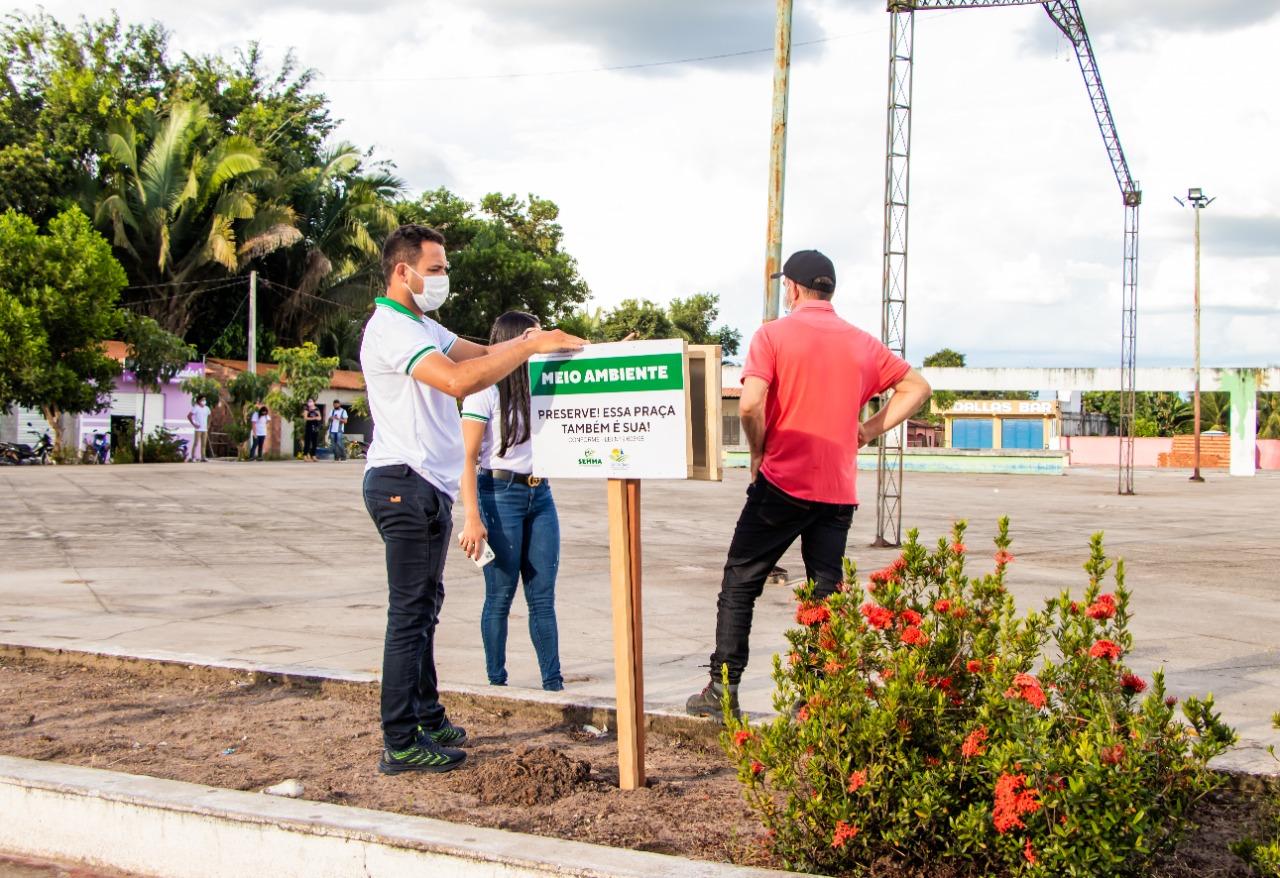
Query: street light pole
(1198, 202)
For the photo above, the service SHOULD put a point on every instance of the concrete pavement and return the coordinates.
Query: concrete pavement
(278, 564)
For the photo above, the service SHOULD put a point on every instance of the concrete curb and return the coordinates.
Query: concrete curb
(555, 706)
(181, 830)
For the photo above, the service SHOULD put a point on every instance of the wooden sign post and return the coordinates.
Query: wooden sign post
(625, 412)
(628, 628)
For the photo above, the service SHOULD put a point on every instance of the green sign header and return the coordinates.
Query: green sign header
(607, 375)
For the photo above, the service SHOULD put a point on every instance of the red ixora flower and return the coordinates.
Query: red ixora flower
(1105, 649)
(973, 745)
(1029, 852)
(1133, 683)
(1013, 799)
(1112, 755)
(942, 605)
(877, 616)
(959, 548)
(741, 737)
(832, 667)
(1026, 687)
(757, 767)
(907, 618)
(913, 636)
(857, 780)
(844, 832)
(812, 614)
(1003, 557)
(973, 666)
(1103, 608)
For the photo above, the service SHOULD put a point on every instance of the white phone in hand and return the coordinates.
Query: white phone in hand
(486, 555)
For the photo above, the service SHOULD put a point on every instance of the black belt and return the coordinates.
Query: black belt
(507, 475)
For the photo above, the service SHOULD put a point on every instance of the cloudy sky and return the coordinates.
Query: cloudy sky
(660, 171)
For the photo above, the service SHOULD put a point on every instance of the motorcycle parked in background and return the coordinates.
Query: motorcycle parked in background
(20, 452)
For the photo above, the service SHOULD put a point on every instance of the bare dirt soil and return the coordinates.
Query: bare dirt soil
(524, 772)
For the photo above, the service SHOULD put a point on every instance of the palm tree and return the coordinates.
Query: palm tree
(1269, 415)
(345, 214)
(185, 213)
(1215, 410)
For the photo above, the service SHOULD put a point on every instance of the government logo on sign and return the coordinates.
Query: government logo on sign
(589, 458)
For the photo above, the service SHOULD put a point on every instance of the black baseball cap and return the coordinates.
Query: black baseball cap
(811, 269)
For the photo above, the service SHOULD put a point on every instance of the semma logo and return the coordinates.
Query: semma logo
(589, 458)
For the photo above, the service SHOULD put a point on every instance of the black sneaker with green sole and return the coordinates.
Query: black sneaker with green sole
(448, 735)
(422, 755)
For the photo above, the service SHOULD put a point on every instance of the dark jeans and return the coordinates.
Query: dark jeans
(770, 522)
(310, 436)
(255, 450)
(414, 520)
(524, 533)
(339, 447)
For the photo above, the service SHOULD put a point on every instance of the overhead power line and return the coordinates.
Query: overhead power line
(612, 68)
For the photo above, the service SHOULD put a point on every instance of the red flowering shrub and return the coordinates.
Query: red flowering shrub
(926, 723)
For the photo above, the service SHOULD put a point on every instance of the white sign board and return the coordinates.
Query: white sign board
(611, 411)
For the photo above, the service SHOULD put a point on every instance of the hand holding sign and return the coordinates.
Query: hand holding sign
(555, 341)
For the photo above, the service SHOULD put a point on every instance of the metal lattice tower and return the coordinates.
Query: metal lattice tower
(893, 319)
(893, 307)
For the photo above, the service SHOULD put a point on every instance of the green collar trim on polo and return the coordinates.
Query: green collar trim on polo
(396, 306)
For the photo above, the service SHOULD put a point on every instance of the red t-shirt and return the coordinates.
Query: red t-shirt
(821, 371)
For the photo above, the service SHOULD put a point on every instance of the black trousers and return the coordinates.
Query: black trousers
(415, 522)
(310, 435)
(770, 522)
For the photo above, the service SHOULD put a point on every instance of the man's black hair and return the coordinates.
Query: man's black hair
(405, 245)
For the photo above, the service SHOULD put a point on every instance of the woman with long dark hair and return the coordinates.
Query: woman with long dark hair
(512, 510)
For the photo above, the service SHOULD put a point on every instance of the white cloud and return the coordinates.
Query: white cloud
(1016, 219)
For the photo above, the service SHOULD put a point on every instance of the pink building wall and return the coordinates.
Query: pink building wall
(1105, 451)
(1269, 454)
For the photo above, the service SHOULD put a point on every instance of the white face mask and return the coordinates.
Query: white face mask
(435, 290)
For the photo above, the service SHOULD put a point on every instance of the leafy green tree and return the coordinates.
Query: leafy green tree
(58, 295)
(584, 324)
(181, 214)
(941, 400)
(505, 254)
(642, 317)
(945, 358)
(301, 374)
(155, 356)
(693, 318)
(202, 385)
(61, 87)
(278, 110)
(245, 390)
(344, 215)
(1269, 415)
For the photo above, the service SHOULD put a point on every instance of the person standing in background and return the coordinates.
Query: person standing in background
(513, 510)
(260, 419)
(311, 420)
(337, 429)
(198, 417)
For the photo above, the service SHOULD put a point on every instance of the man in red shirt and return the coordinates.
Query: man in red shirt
(806, 379)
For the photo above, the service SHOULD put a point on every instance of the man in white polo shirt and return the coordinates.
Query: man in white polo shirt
(415, 370)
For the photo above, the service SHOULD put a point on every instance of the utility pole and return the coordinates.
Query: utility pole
(777, 160)
(253, 323)
(1198, 201)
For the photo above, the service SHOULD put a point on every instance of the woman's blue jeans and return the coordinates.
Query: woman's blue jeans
(524, 533)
